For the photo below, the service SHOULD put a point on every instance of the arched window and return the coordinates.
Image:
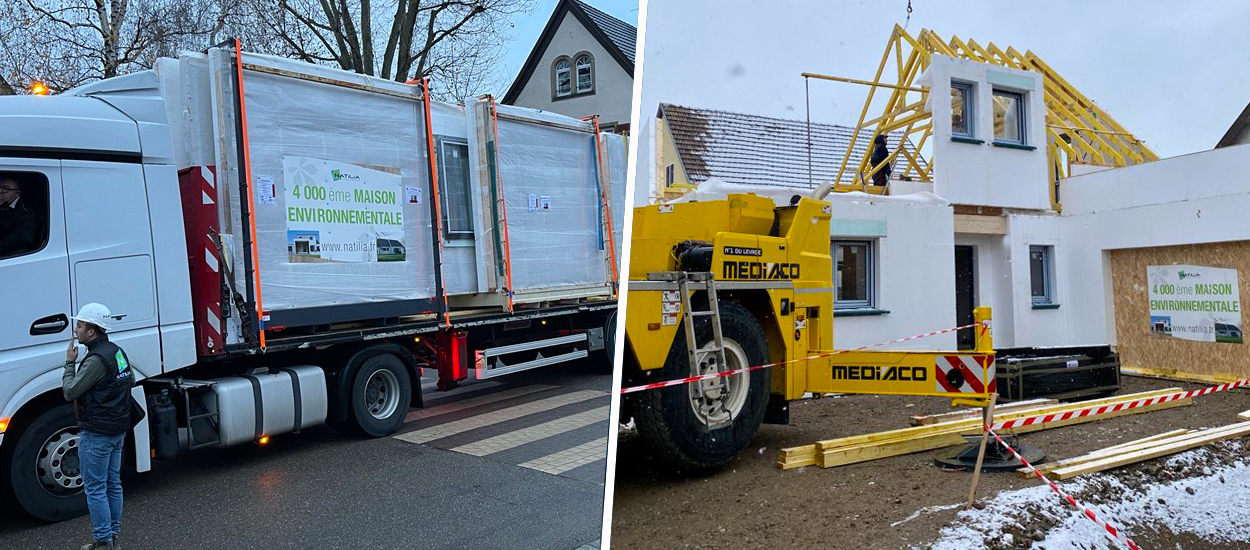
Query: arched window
(563, 78)
(585, 80)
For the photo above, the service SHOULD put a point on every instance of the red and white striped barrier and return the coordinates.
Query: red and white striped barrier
(687, 380)
(1111, 530)
(1104, 409)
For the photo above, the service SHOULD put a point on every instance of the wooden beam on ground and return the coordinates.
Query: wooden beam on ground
(1244, 416)
(871, 446)
(1231, 431)
(1178, 376)
(965, 414)
(1091, 456)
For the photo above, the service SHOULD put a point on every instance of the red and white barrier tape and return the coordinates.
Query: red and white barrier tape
(1104, 409)
(1111, 530)
(713, 376)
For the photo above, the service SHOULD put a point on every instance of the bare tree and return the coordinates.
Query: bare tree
(454, 42)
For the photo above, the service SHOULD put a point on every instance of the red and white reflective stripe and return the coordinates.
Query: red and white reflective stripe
(1104, 409)
(700, 378)
(971, 377)
(1111, 530)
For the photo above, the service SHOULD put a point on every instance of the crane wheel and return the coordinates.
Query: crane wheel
(705, 427)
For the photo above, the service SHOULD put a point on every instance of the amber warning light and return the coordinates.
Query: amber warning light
(39, 88)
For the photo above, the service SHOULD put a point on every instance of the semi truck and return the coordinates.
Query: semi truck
(284, 245)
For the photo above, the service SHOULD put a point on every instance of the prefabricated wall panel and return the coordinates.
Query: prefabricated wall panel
(1138, 347)
(340, 190)
(548, 174)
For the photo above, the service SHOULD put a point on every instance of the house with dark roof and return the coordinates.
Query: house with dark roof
(696, 145)
(582, 65)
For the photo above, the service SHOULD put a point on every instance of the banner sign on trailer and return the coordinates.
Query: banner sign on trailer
(340, 212)
(1195, 303)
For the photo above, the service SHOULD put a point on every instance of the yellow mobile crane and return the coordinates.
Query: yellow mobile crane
(723, 285)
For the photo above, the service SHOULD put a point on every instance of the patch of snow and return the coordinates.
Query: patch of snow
(1214, 510)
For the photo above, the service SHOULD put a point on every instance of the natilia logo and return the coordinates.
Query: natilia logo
(340, 175)
(1183, 275)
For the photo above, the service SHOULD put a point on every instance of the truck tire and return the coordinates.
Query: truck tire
(667, 418)
(43, 475)
(603, 358)
(381, 395)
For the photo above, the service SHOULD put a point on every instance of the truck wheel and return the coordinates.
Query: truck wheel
(603, 358)
(381, 394)
(44, 478)
(675, 420)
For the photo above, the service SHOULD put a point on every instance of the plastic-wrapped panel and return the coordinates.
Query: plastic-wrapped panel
(341, 193)
(551, 191)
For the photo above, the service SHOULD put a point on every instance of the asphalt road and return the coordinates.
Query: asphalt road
(514, 462)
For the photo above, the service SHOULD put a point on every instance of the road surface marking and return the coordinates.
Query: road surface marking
(563, 461)
(475, 401)
(486, 419)
(522, 436)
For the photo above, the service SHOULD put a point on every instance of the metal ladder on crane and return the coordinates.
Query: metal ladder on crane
(704, 358)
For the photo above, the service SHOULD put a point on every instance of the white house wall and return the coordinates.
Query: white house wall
(984, 174)
(914, 271)
(614, 87)
(1182, 200)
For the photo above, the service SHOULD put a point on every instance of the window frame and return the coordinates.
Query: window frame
(44, 231)
(870, 266)
(555, 77)
(1021, 115)
(670, 174)
(590, 70)
(970, 103)
(441, 143)
(1048, 275)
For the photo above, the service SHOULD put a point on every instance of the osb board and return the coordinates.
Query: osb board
(1140, 349)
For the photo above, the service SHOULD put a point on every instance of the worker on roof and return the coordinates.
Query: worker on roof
(880, 152)
(100, 390)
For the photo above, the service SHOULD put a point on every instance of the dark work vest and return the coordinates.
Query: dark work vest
(105, 408)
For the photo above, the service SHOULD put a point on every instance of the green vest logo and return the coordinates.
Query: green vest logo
(121, 361)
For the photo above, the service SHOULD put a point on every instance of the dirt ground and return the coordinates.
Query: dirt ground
(751, 504)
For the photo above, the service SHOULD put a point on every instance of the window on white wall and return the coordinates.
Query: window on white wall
(853, 277)
(1041, 274)
(669, 174)
(585, 77)
(962, 109)
(563, 78)
(454, 186)
(1008, 117)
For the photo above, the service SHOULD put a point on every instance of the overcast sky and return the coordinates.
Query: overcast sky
(1174, 73)
(529, 26)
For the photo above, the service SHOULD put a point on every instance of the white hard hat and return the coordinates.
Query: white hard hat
(96, 314)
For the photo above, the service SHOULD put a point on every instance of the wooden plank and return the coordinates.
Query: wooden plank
(834, 455)
(1244, 416)
(807, 455)
(1137, 445)
(1177, 376)
(1227, 432)
(965, 414)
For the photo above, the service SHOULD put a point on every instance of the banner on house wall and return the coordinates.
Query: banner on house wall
(340, 212)
(1194, 303)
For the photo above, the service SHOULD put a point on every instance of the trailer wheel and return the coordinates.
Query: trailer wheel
(381, 394)
(43, 474)
(674, 420)
(603, 358)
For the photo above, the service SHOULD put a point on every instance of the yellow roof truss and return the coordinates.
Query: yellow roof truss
(1077, 130)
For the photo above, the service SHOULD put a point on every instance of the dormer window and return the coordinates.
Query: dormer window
(564, 78)
(1009, 118)
(585, 79)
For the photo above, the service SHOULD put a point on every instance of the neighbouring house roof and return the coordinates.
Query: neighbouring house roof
(616, 36)
(1237, 130)
(758, 150)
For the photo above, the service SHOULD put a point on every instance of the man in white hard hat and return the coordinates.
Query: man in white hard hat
(100, 390)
